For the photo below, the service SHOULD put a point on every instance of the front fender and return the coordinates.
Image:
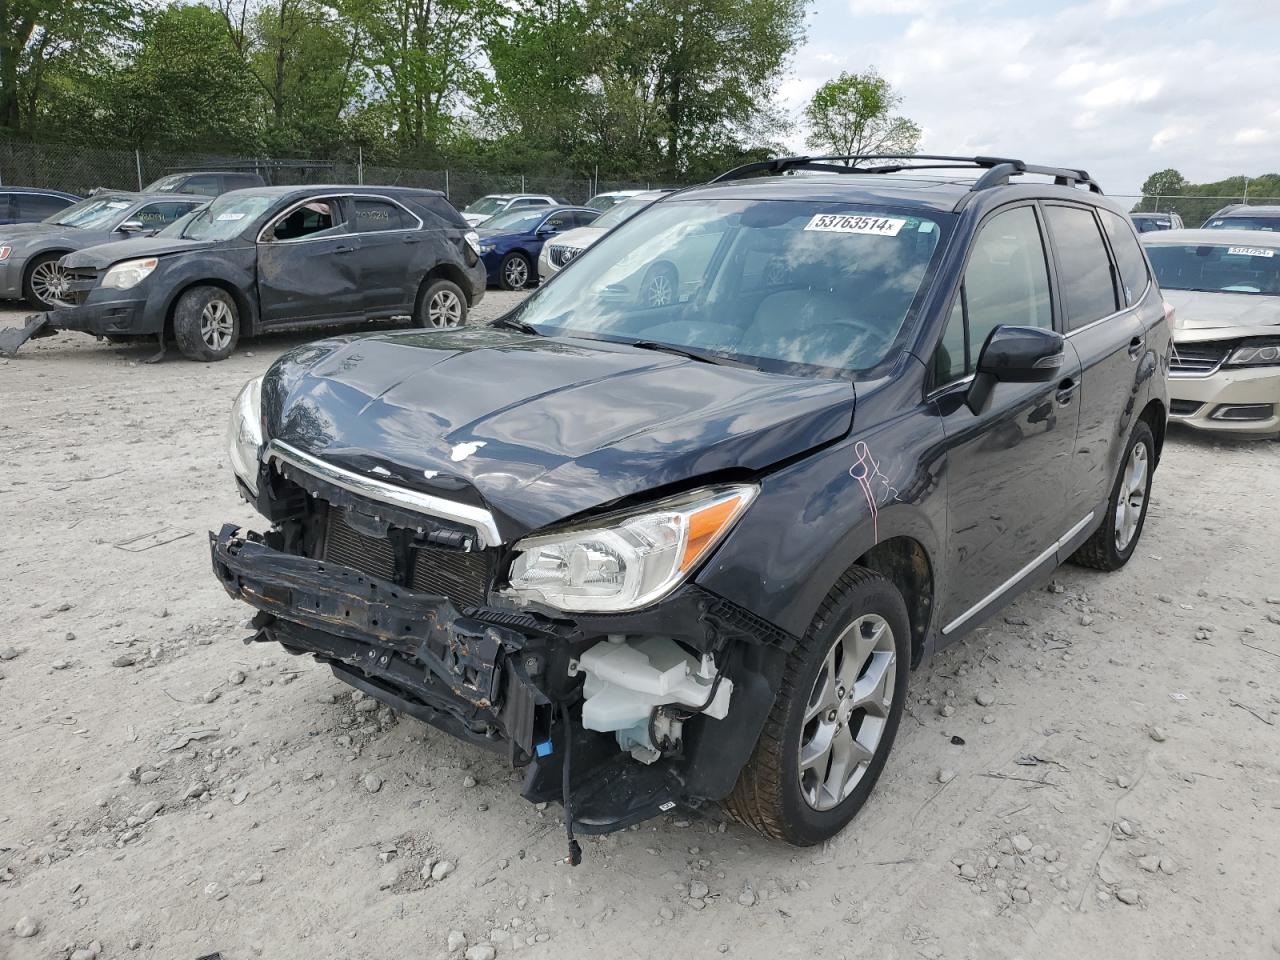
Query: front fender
(230, 270)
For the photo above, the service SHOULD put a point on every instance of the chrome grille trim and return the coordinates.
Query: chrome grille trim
(1197, 359)
(478, 518)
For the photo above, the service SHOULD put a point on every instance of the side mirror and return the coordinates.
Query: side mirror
(1015, 355)
(132, 226)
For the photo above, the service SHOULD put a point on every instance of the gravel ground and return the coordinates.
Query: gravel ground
(1093, 774)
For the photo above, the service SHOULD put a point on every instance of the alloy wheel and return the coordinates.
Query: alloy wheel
(658, 292)
(517, 274)
(444, 310)
(217, 325)
(49, 282)
(1132, 500)
(847, 711)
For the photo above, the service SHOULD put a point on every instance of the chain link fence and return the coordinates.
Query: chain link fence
(1193, 210)
(78, 169)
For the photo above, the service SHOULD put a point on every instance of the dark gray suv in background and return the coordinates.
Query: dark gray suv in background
(689, 551)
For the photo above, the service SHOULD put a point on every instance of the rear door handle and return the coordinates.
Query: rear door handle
(410, 238)
(1066, 390)
(1135, 347)
(343, 249)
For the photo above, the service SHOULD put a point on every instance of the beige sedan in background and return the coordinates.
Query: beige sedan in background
(1224, 286)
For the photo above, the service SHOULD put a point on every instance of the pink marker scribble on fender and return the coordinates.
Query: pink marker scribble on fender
(867, 472)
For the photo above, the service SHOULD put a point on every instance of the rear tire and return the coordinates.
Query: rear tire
(441, 306)
(514, 271)
(206, 324)
(793, 789)
(1113, 543)
(43, 279)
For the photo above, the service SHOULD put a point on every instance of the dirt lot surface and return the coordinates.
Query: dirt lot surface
(1094, 774)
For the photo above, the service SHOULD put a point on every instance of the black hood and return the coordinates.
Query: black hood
(539, 429)
(103, 255)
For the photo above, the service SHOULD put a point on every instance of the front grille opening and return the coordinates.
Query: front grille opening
(462, 577)
(1197, 359)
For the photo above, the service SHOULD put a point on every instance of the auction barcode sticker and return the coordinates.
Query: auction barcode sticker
(1252, 251)
(844, 223)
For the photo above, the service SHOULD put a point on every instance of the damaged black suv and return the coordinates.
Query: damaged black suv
(679, 552)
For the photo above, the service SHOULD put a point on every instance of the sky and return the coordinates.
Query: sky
(1121, 88)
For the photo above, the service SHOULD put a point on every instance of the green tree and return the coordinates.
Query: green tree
(1164, 183)
(852, 115)
(425, 58)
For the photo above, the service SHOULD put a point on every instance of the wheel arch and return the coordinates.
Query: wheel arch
(1157, 418)
(904, 562)
(30, 265)
(444, 271)
(248, 317)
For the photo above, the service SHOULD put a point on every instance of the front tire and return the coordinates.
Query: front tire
(833, 723)
(45, 282)
(514, 271)
(1113, 543)
(206, 324)
(441, 306)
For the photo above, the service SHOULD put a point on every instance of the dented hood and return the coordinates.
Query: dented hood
(103, 255)
(1203, 315)
(539, 429)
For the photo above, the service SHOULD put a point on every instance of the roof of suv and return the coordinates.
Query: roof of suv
(908, 181)
(40, 190)
(322, 188)
(1246, 210)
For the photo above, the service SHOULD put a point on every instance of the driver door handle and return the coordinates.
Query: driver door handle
(1135, 347)
(1067, 390)
(343, 249)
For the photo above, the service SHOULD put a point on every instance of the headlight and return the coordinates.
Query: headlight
(1255, 354)
(486, 248)
(128, 274)
(626, 560)
(473, 241)
(244, 433)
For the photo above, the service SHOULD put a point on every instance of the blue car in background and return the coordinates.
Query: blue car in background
(510, 243)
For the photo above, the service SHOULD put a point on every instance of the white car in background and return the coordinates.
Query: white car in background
(558, 252)
(490, 205)
(610, 199)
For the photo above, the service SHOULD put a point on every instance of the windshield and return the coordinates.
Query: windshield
(486, 205)
(222, 219)
(1217, 268)
(779, 284)
(621, 212)
(1270, 224)
(606, 201)
(518, 221)
(166, 184)
(92, 213)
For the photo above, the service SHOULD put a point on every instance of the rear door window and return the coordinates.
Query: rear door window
(37, 206)
(372, 215)
(1088, 291)
(205, 186)
(1132, 265)
(1006, 283)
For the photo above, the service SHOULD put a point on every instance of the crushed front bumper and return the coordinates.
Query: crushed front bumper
(485, 676)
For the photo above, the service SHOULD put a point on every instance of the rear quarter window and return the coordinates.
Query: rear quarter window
(1131, 263)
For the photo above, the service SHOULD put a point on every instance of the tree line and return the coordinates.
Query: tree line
(1196, 202)
(663, 88)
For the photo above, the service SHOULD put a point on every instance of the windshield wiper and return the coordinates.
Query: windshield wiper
(686, 352)
(511, 323)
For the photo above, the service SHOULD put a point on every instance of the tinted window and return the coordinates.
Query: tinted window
(582, 218)
(1006, 283)
(1129, 259)
(1270, 224)
(7, 213)
(311, 219)
(238, 181)
(37, 206)
(526, 202)
(1087, 289)
(207, 186)
(373, 215)
(558, 222)
(156, 215)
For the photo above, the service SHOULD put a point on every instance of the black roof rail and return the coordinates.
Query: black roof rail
(998, 170)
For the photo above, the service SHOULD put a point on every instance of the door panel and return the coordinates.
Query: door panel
(387, 238)
(306, 268)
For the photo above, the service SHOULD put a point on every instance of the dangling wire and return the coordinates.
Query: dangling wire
(575, 850)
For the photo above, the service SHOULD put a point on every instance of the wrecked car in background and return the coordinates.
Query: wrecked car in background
(274, 258)
(1225, 288)
(30, 252)
(688, 552)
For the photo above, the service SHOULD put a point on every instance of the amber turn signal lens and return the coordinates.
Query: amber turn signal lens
(705, 526)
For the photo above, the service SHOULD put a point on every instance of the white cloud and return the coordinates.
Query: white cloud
(1163, 83)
